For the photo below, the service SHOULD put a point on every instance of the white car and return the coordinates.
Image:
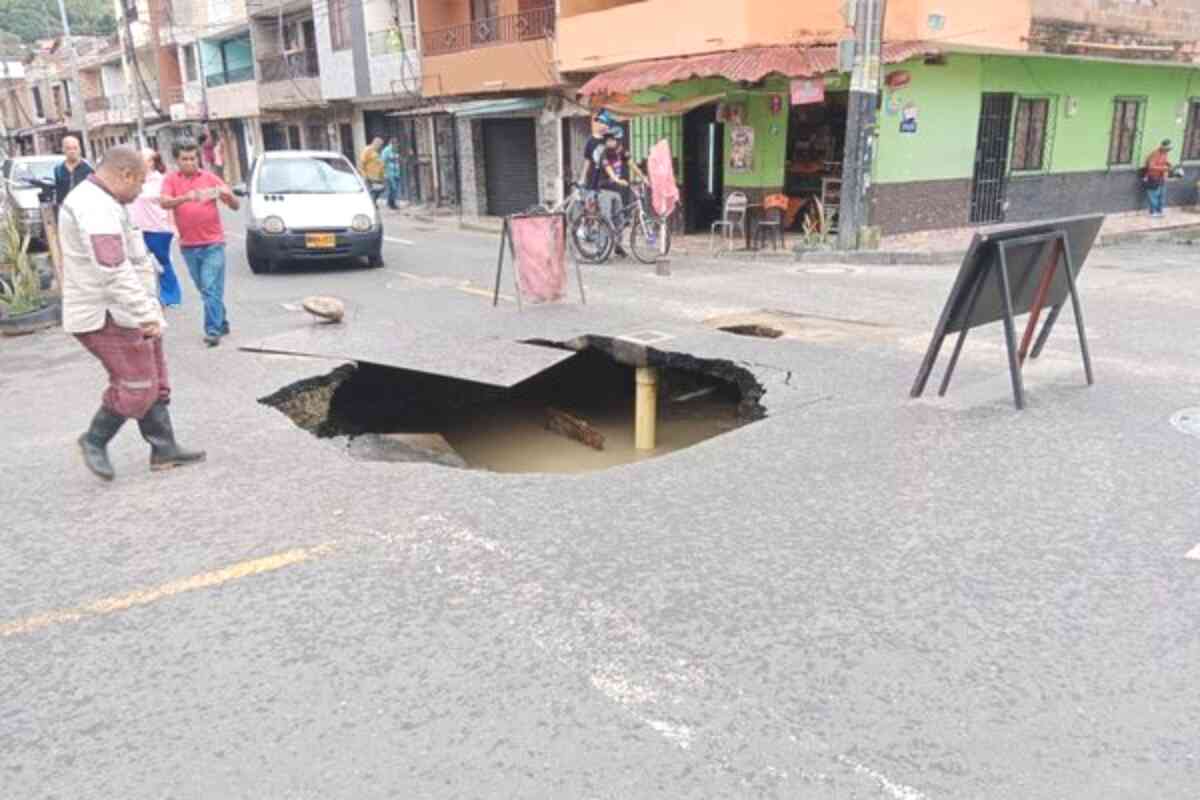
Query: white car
(22, 176)
(308, 205)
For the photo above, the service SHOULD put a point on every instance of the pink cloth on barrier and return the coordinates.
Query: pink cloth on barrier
(541, 249)
(662, 179)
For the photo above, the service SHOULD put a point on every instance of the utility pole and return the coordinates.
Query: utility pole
(77, 109)
(130, 81)
(862, 121)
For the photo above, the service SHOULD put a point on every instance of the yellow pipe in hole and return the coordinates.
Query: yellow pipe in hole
(646, 409)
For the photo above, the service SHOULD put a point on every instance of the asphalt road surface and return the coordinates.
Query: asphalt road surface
(860, 596)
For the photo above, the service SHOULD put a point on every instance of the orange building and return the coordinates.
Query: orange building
(507, 74)
(757, 90)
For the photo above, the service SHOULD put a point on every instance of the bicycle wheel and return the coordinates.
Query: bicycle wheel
(649, 239)
(593, 238)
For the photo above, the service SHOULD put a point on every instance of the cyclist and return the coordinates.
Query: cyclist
(619, 170)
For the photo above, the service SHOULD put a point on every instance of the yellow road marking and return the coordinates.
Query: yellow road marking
(206, 580)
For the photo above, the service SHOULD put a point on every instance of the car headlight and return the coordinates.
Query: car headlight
(362, 223)
(273, 225)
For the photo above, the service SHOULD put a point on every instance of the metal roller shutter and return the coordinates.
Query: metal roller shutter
(510, 159)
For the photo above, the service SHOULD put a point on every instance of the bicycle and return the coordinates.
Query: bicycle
(649, 234)
(591, 235)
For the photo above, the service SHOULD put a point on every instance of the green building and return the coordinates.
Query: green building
(964, 137)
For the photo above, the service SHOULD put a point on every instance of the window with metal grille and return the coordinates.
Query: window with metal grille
(1191, 139)
(1126, 130)
(339, 24)
(1029, 135)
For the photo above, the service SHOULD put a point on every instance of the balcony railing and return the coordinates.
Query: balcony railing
(536, 23)
(301, 64)
(397, 41)
(237, 75)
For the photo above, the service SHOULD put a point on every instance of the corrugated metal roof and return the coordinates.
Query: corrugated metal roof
(750, 65)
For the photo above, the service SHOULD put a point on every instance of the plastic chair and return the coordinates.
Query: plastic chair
(733, 219)
(774, 210)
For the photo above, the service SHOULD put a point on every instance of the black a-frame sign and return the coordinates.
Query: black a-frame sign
(1019, 270)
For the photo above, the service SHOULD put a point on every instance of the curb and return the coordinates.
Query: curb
(884, 258)
(1188, 233)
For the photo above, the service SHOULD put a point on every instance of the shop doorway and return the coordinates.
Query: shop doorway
(273, 136)
(346, 140)
(703, 167)
(510, 165)
(238, 129)
(293, 137)
(816, 146)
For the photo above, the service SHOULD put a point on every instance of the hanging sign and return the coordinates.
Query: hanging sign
(807, 92)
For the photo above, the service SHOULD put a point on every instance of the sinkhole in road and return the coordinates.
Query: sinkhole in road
(578, 416)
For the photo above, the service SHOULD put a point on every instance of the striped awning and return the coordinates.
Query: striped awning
(750, 64)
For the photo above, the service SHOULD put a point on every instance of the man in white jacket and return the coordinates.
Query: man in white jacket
(110, 304)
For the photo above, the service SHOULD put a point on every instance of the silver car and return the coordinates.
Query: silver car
(21, 194)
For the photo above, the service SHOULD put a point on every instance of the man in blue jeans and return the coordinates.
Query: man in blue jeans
(1157, 170)
(192, 194)
(393, 165)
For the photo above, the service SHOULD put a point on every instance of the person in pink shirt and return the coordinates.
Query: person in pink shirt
(154, 221)
(192, 194)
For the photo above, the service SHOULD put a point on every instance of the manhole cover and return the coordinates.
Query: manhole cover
(1187, 421)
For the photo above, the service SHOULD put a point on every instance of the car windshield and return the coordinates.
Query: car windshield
(22, 171)
(308, 175)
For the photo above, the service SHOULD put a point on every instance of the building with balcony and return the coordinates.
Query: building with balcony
(370, 67)
(491, 65)
(293, 109)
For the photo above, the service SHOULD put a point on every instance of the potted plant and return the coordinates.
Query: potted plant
(818, 229)
(23, 306)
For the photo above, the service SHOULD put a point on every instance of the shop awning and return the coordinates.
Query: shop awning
(750, 65)
(503, 107)
(507, 107)
(668, 108)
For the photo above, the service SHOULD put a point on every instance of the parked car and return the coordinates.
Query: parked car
(308, 205)
(22, 176)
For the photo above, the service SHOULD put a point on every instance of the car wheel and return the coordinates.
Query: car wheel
(375, 260)
(259, 266)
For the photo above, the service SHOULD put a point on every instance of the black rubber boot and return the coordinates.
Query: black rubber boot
(165, 453)
(94, 443)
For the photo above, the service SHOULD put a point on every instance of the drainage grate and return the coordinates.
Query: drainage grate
(1187, 421)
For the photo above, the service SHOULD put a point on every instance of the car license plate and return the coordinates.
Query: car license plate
(320, 241)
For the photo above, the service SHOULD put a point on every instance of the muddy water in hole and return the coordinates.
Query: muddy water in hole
(514, 438)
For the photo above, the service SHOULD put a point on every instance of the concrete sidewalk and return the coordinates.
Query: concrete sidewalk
(948, 246)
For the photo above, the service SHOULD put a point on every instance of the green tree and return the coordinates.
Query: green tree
(38, 19)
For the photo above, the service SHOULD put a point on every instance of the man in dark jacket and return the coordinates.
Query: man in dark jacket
(71, 172)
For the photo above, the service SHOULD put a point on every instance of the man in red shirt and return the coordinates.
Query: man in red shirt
(1158, 168)
(192, 194)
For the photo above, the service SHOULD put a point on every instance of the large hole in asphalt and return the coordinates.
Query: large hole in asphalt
(577, 416)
